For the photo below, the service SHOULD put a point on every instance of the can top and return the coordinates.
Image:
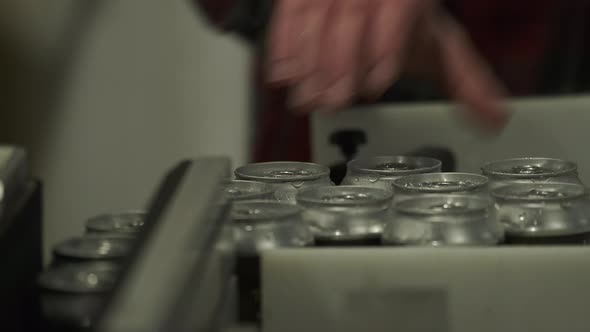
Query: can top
(440, 183)
(444, 204)
(263, 211)
(344, 196)
(540, 192)
(95, 247)
(125, 222)
(80, 278)
(527, 168)
(282, 171)
(239, 190)
(394, 165)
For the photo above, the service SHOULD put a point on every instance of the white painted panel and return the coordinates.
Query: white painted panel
(544, 127)
(542, 289)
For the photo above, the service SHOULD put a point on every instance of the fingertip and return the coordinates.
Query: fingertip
(282, 71)
(304, 95)
(379, 79)
(339, 94)
(501, 119)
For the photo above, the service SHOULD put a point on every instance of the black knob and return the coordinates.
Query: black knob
(348, 140)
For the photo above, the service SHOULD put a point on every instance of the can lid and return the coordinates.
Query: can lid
(95, 247)
(282, 171)
(527, 168)
(394, 165)
(440, 183)
(239, 190)
(344, 196)
(80, 278)
(125, 222)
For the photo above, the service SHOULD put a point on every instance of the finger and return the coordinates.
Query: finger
(468, 77)
(340, 56)
(388, 35)
(284, 40)
(304, 95)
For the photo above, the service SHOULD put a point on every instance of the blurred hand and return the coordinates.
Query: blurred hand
(330, 52)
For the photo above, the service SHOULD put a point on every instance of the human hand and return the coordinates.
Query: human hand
(330, 52)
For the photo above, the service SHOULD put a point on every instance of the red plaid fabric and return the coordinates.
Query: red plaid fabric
(280, 135)
(511, 35)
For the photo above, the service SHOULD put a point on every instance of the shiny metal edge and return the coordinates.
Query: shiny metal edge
(14, 174)
(174, 256)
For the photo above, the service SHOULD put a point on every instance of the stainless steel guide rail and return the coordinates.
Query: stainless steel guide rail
(13, 177)
(182, 267)
(20, 241)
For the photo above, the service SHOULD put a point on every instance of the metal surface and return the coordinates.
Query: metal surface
(94, 247)
(13, 177)
(286, 178)
(181, 260)
(20, 241)
(130, 222)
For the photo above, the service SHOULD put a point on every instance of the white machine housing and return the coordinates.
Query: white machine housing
(508, 289)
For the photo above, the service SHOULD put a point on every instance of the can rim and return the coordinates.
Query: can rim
(401, 183)
(321, 171)
(62, 249)
(93, 223)
(48, 279)
(506, 193)
(571, 167)
(482, 206)
(360, 165)
(267, 190)
(379, 197)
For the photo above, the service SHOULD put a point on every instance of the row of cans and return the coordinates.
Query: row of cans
(85, 269)
(408, 201)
